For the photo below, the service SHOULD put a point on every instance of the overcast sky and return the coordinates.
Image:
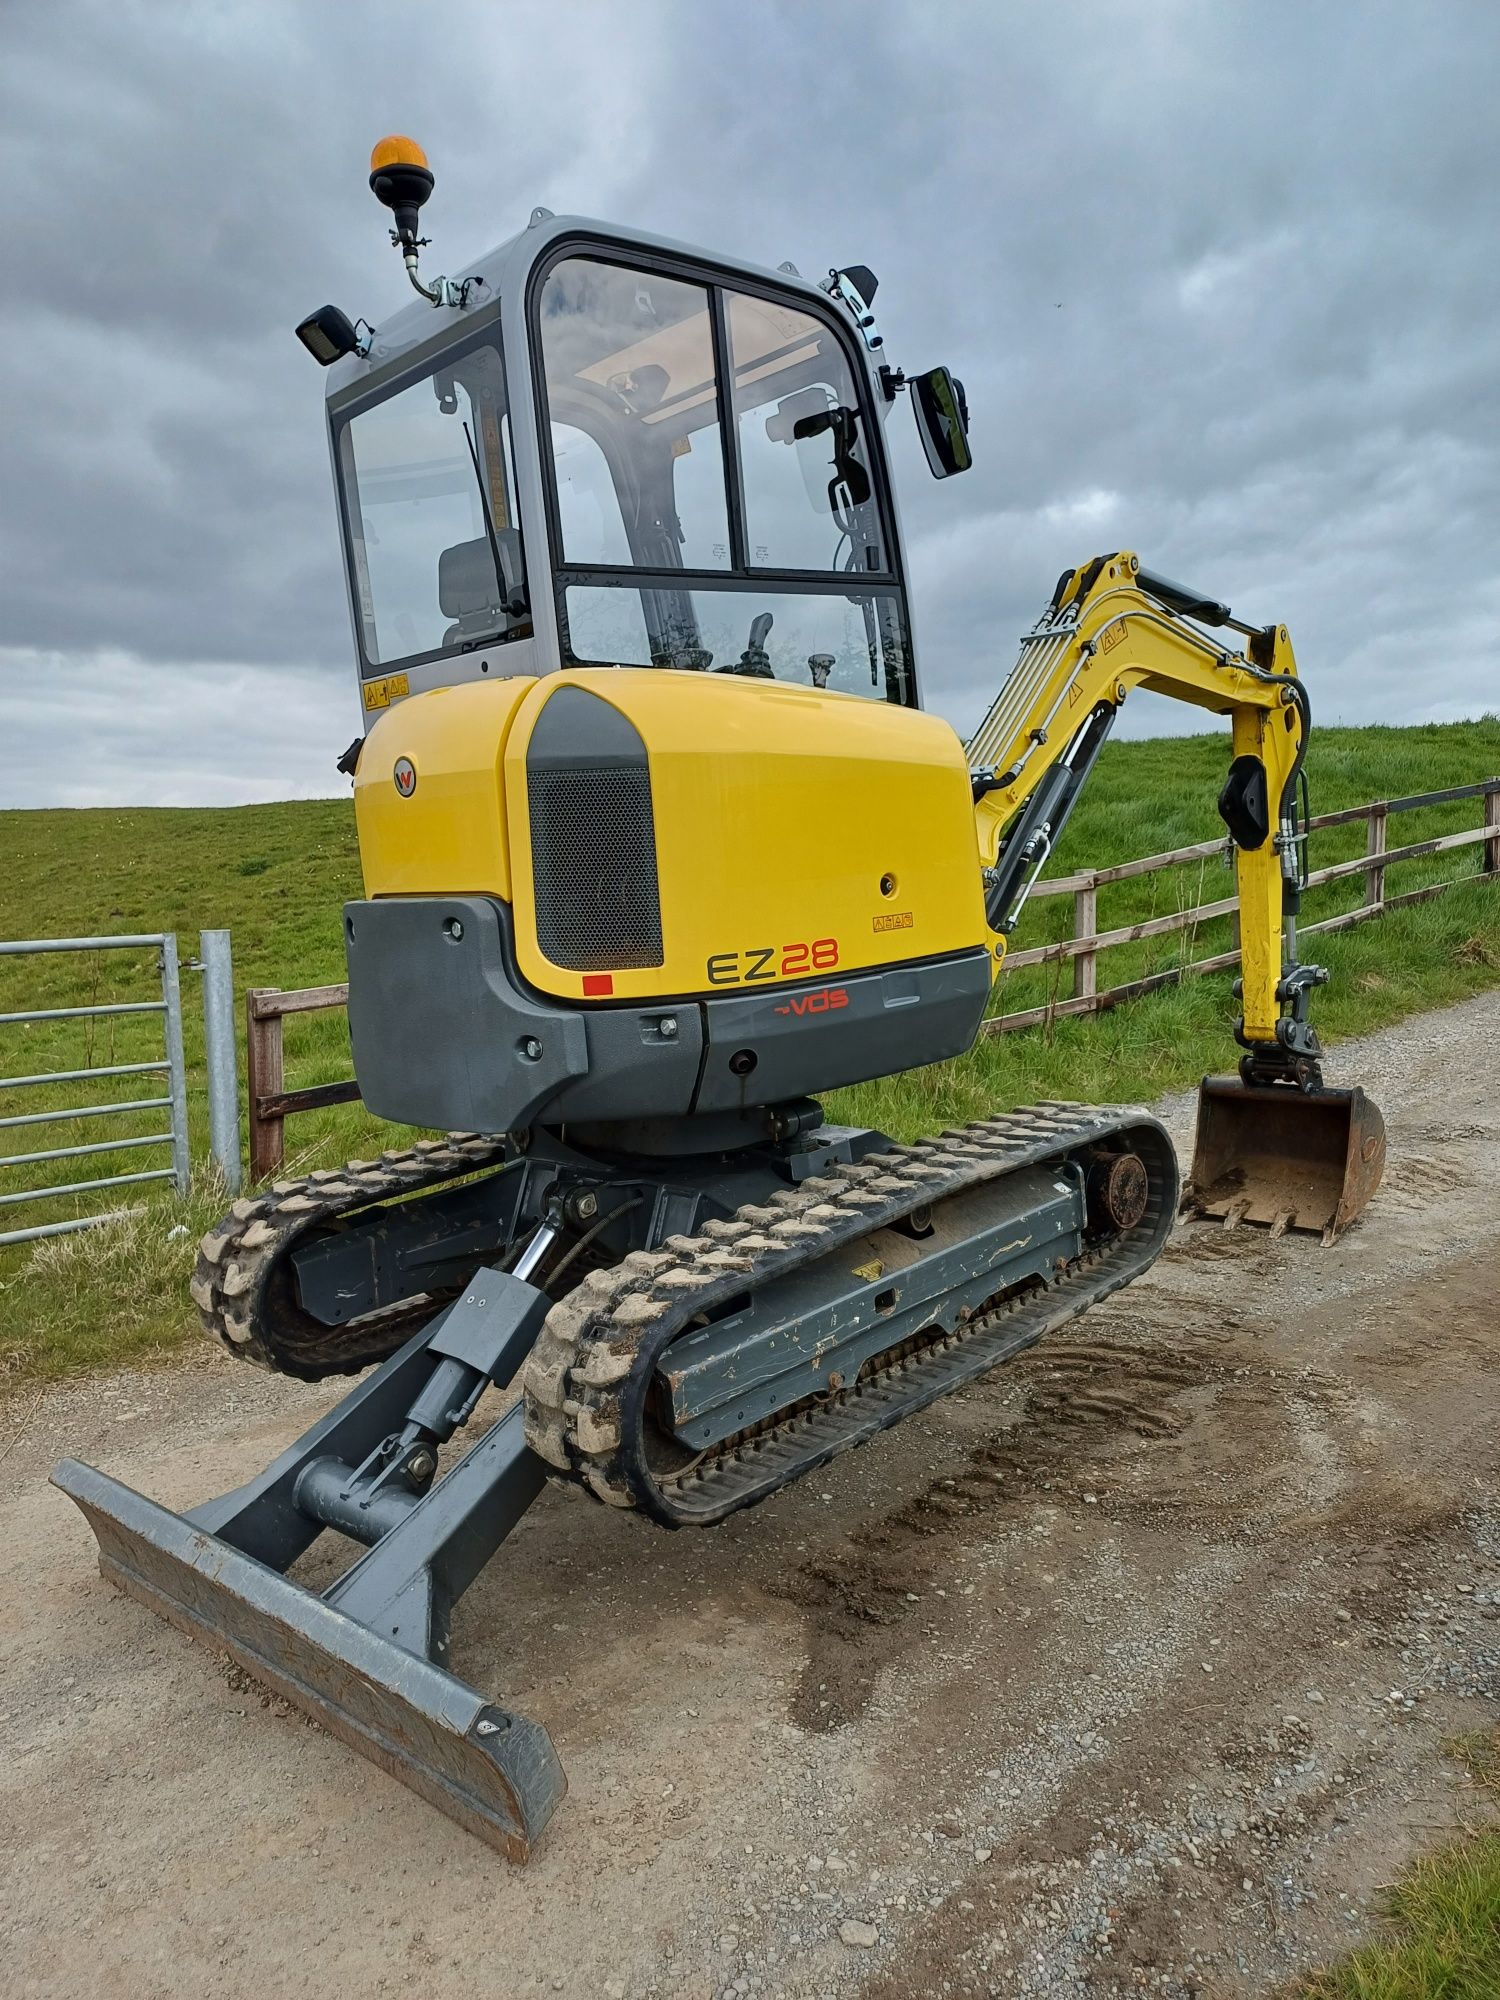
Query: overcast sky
(1223, 282)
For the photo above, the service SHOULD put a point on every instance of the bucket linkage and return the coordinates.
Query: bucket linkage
(1276, 1146)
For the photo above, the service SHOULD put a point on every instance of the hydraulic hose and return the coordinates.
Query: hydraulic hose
(1287, 805)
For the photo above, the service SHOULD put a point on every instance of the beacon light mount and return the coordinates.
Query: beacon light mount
(401, 180)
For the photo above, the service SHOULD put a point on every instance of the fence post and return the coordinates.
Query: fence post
(1085, 925)
(219, 1055)
(1375, 844)
(171, 993)
(1492, 820)
(263, 1078)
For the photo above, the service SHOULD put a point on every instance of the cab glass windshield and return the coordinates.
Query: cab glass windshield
(434, 551)
(714, 484)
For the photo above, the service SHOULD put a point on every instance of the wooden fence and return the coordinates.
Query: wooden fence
(1087, 941)
(271, 1103)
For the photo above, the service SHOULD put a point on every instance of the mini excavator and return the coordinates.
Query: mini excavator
(659, 846)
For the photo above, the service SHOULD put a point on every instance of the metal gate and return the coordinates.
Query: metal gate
(170, 1068)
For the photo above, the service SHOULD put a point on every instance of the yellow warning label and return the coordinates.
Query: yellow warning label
(871, 1271)
(381, 693)
(894, 920)
(1111, 636)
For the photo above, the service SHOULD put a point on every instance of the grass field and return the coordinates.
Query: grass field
(1443, 1929)
(277, 875)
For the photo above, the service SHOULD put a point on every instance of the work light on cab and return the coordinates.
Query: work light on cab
(328, 334)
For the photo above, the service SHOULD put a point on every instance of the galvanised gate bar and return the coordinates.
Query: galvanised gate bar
(168, 1067)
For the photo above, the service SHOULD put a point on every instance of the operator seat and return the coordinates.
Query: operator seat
(467, 589)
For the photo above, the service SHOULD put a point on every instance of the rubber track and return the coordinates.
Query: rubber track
(586, 1381)
(242, 1283)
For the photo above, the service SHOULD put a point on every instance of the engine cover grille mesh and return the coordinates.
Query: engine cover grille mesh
(593, 860)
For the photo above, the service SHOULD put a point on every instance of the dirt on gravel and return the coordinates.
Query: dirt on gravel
(1129, 1669)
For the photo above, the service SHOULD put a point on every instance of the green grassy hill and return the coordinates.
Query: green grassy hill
(277, 875)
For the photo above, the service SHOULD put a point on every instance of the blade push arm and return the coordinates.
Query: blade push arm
(1112, 627)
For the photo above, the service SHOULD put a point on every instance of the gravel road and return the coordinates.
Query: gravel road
(1127, 1670)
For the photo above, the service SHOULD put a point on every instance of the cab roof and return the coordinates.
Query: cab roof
(501, 276)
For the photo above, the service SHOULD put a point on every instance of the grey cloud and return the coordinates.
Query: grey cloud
(1221, 283)
(111, 730)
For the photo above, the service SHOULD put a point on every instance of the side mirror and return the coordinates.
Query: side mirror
(942, 413)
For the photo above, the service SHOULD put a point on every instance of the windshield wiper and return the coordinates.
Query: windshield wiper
(508, 603)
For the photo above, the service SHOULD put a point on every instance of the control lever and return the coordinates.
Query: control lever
(755, 661)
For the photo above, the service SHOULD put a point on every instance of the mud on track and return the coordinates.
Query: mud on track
(1127, 1670)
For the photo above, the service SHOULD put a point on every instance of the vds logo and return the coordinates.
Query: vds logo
(826, 1001)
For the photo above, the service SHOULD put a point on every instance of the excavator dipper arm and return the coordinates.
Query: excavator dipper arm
(1111, 627)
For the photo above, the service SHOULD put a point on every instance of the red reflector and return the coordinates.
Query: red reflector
(596, 983)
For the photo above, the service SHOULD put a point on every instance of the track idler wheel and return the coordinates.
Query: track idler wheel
(1118, 1190)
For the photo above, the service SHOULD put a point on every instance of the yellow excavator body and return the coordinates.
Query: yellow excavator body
(797, 833)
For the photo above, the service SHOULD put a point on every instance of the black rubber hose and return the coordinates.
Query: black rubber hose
(1286, 805)
(588, 1236)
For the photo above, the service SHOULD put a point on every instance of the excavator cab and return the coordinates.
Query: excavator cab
(608, 450)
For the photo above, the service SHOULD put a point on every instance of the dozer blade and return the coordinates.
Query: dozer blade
(494, 1772)
(1284, 1158)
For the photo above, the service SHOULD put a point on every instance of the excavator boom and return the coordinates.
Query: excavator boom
(1274, 1146)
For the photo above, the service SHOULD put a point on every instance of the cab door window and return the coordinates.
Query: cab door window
(429, 498)
(804, 461)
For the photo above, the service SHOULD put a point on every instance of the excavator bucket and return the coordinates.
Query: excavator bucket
(1283, 1158)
